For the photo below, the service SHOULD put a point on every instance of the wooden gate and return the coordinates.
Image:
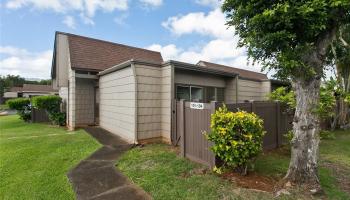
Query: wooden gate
(189, 124)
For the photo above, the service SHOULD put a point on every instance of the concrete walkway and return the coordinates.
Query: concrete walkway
(97, 178)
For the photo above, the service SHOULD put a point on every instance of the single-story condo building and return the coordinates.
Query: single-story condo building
(30, 90)
(131, 91)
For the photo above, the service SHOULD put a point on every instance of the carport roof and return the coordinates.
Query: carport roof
(228, 69)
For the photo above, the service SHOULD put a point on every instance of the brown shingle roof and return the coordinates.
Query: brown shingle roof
(97, 55)
(37, 88)
(241, 72)
(15, 89)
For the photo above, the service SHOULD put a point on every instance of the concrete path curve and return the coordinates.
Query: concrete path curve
(97, 178)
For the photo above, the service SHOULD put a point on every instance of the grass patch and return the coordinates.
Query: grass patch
(275, 163)
(35, 168)
(160, 172)
(4, 107)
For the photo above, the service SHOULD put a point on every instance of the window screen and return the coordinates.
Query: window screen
(183, 92)
(210, 94)
(196, 94)
(220, 97)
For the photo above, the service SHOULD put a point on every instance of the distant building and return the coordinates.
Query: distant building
(30, 90)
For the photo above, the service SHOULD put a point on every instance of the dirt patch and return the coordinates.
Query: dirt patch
(196, 171)
(251, 181)
(341, 173)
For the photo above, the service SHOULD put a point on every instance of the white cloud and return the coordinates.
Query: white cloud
(86, 20)
(168, 52)
(87, 8)
(69, 21)
(120, 20)
(152, 3)
(17, 61)
(221, 48)
(212, 3)
(212, 24)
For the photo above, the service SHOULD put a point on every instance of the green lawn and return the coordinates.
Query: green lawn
(334, 153)
(35, 167)
(159, 171)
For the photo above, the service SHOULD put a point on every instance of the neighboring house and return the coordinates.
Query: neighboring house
(130, 91)
(30, 90)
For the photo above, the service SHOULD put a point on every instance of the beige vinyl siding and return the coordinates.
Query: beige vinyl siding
(63, 93)
(62, 61)
(85, 101)
(231, 90)
(117, 103)
(167, 85)
(252, 90)
(71, 97)
(196, 78)
(10, 94)
(149, 102)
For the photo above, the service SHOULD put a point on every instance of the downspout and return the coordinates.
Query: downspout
(136, 102)
(237, 88)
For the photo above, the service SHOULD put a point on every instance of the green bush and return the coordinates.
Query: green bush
(282, 94)
(237, 137)
(52, 105)
(22, 105)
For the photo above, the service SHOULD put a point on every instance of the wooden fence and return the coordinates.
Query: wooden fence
(189, 123)
(39, 115)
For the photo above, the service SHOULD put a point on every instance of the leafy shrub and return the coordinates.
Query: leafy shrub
(23, 107)
(237, 137)
(325, 108)
(52, 105)
(289, 136)
(285, 96)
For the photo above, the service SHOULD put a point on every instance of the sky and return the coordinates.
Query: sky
(183, 30)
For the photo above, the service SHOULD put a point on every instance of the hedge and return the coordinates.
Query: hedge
(52, 105)
(23, 107)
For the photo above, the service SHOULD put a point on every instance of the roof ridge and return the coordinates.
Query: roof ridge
(105, 41)
(230, 67)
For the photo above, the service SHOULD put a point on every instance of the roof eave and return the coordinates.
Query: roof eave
(193, 67)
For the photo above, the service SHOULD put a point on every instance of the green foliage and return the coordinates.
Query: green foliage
(325, 108)
(22, 105)
(284, 34)
(237, 137)
(283, 95)
(52, 105)
(289, 136)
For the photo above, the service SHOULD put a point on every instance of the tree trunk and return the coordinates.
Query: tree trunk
(306, 127)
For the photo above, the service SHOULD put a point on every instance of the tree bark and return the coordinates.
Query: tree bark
(306, 127)
(303, 166)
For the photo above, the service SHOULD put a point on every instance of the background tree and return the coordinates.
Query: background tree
(6, 82)
(340, 58)
(292, 38)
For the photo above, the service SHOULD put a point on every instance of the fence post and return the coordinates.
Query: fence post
(181, 121)
(278, 125)
(213, 107)
(252, 106)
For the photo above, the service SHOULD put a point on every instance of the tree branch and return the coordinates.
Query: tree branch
(342, 39)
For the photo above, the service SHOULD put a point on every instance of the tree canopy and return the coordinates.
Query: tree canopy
(282, 34)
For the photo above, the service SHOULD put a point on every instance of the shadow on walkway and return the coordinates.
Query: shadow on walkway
(96, 177)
